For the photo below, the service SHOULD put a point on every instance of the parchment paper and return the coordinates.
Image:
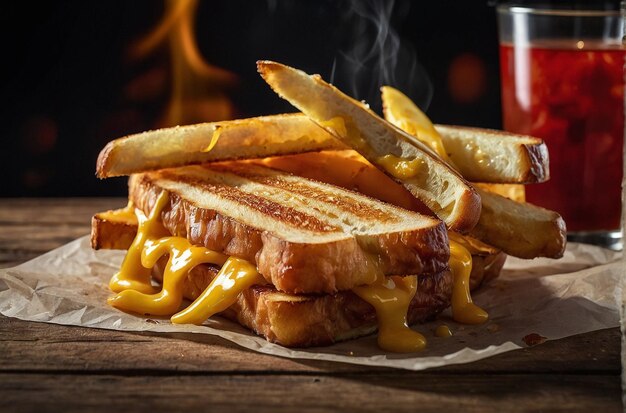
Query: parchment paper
(552, 298)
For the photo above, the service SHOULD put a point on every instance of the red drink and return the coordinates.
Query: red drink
(574, 99)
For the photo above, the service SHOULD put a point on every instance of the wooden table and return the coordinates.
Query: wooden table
(46, 367)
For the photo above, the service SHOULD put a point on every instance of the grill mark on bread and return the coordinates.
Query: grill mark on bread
(278, 179)
(276, 211)
(302, 264)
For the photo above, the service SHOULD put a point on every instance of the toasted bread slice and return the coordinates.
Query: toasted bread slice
(116, 230)
(237, 139)
(519, 229)
(412, 164)
(347, 169)
(293, 320)
(480, 155)
(303, 236)
(316, 320)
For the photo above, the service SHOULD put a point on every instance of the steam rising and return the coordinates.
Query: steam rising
(376, 56)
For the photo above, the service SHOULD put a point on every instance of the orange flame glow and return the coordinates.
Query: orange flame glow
(197, 93)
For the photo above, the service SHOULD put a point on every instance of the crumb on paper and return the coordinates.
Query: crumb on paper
(533, 339)
(151, 321)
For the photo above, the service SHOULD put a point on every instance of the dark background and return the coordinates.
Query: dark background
(69, 85)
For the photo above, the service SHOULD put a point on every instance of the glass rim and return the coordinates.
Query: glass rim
(558, 12)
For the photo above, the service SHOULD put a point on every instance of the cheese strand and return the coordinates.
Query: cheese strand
(463, 309)
(235, 276)
(182, 258)
(391, 297)
(132, 275)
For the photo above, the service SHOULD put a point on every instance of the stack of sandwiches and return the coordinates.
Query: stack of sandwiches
(325, 225)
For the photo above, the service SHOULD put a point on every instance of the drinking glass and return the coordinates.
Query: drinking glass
(562, 79)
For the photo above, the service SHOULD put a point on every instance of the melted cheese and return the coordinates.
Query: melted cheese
(401, 111)
(344, 129)
(235, 276)
(463, 309)
(473, 245)
(337, 126)
(390, 297)
(132, 282)
(132, 274)
(443, 331)
(401, 168)
(126, 214)
(214, 138)
(182, 258)
(398, 167)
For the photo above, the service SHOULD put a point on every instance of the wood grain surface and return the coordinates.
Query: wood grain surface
(46, 367)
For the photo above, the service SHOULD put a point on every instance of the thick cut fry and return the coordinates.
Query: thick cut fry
(216, 141)
(402, 112)
(411, 163)
(493, 156)
(480, 155)
(520, 229)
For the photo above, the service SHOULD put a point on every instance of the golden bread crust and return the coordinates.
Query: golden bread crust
(111, 235)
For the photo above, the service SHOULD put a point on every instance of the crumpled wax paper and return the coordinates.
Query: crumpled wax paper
(552, 298)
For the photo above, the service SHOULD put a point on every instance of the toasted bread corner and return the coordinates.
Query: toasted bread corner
(103, 163)
(112, 234)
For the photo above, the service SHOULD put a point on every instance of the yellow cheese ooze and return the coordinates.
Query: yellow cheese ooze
(182, 258)
(132, 275)
(390, 297)
(126, 214)
(132, 282)
(463, 309)
(443, 331)
(401, 168)
(235, 276)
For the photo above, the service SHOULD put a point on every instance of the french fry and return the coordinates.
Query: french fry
(520, 229)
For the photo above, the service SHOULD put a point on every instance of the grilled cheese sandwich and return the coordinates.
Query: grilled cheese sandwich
(300, 261)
